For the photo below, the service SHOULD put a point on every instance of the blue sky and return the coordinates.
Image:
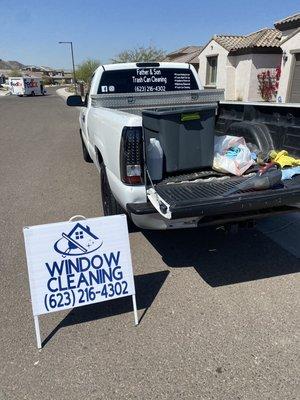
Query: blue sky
(30, 30)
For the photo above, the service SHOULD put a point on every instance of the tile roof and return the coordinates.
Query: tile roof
(287, 20)
(263, 38)
(185, 54)
(227, 41)
(195, 59)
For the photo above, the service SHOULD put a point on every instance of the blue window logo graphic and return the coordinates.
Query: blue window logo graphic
(80, 240)
(79, 235)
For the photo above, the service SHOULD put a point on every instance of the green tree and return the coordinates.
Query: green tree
(86, 69)
(15, 72)
(140, 54)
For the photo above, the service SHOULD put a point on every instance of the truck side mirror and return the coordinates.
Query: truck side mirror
(75, 101)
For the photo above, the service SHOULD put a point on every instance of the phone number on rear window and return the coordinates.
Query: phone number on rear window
(149, 88)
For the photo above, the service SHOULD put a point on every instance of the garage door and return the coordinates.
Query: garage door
(295, 87)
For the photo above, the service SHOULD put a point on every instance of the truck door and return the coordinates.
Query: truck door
(84, 117)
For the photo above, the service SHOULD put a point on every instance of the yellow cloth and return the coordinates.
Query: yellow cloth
(283, 159)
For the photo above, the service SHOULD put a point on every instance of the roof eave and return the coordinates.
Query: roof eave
(284, 26)
(290, 36)
(255, 50)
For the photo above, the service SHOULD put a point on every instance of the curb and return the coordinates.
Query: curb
(63, 93)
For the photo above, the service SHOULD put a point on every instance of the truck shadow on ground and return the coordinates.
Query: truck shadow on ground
(147, 287)
(223, 258)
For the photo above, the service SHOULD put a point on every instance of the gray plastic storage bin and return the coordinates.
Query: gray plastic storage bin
(186, 135)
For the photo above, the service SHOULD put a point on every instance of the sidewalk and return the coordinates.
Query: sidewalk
(63, 93)
(4, 93)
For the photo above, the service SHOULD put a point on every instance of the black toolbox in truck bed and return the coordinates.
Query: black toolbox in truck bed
(186, 135)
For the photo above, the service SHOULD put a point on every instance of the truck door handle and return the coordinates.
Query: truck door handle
(83, 117)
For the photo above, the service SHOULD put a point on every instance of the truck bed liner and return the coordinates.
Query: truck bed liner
(190, 191)
(207, 198)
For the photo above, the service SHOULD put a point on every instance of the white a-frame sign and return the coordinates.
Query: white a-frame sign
(72, 264)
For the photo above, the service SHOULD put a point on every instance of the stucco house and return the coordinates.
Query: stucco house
(187, 54)
(232, 62)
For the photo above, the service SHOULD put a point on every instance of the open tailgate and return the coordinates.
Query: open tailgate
(191, 199)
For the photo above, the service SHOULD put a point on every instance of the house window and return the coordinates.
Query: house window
(211, 70)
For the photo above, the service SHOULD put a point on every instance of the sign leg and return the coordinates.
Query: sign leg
(37, 332)
(136, 319)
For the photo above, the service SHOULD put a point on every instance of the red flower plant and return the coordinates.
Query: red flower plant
(268, 82)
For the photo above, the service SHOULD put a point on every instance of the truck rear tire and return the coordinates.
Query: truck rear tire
(85, 153)
(109, 203)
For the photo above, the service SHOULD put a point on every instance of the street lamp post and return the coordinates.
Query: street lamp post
(73, 64)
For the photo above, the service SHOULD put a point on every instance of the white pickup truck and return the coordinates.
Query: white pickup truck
(149, 128)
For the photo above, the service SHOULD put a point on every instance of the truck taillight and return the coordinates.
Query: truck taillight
(131, 156)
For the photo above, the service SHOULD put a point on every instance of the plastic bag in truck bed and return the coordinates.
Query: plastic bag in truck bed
(232, 155)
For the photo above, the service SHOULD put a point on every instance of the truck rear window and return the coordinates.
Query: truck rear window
(152, 79)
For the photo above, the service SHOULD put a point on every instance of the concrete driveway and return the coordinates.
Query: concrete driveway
(219, 311)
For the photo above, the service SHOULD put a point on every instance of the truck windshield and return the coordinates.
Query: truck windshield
(147, 80)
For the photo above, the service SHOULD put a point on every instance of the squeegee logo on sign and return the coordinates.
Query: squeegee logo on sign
(80, 240)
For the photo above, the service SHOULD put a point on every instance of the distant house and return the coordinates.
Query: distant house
(57, 76)
(188, 54)
(232, 62)
(31, 68)
(52, 72)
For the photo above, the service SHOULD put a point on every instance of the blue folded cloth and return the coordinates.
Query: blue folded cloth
(232, 152)
(288, 173)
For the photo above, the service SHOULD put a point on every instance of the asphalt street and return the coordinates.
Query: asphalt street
(219, 311)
